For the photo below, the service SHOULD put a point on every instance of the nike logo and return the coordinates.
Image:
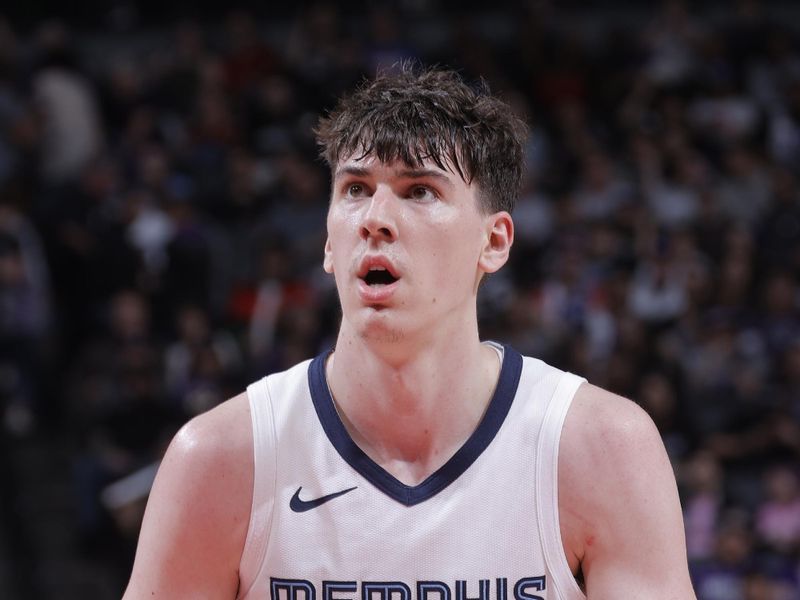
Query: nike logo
(298, 505)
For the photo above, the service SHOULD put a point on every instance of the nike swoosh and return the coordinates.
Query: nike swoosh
(298, 505)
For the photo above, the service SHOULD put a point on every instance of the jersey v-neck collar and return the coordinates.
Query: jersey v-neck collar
(467, 454)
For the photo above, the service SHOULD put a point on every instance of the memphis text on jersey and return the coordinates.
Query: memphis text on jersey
(302, 589)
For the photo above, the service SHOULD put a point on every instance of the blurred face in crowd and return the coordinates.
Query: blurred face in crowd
(406, 246)
(12, 269)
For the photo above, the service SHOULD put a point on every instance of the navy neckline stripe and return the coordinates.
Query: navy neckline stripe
(467, 454)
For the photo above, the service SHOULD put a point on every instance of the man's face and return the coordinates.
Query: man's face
(406, 245)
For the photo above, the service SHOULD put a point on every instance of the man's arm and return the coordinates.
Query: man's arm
(621, 518)
(198, 512)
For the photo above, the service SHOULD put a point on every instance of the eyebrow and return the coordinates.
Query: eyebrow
(422, 173)
(404, 174)
(356, 171)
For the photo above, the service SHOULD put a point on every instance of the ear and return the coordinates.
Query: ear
(499, 238)
(327, 260)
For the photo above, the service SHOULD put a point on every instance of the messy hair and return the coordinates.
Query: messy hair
(413, 115)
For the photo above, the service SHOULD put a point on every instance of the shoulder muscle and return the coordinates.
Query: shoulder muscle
(619, 499)
(199, 508)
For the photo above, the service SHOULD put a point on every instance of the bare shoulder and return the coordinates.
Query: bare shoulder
(607, 426)
(609, 444)
(221, 437)
(198, 512)
(621, 520)
(213, 454)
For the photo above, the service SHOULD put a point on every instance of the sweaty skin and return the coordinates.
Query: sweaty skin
(416, 340)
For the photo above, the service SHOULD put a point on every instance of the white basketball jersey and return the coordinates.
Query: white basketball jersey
(328, 523)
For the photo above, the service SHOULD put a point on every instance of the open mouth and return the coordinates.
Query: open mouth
(378, 276)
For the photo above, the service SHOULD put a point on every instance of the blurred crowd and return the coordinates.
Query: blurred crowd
(162, 217)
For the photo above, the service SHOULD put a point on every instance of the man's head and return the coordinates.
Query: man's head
(417, 115)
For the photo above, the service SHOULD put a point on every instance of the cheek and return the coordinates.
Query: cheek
(452, 253)
(334, 243)
(336, 259)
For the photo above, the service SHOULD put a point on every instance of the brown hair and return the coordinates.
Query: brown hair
(414, 114)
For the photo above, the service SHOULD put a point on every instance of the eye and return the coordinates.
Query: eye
(422, 193)
(355, 190)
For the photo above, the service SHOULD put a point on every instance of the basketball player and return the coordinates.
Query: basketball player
(413, 461)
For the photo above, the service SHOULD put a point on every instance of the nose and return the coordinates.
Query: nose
(379, 219)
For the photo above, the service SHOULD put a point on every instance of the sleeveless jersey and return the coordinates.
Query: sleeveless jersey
(328, 523)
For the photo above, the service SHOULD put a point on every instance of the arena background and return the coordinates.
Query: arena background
(162, 217)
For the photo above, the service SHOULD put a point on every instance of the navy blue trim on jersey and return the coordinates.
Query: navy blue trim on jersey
(490, 424)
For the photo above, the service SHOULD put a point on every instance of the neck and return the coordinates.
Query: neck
(410, 412)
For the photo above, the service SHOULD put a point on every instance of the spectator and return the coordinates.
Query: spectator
(703, 500)
(722, 577)
(71, 127)
(201, 364)
(26, 321)
(778, 516)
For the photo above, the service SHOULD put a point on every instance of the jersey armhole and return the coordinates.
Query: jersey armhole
(547, 488)
(264, 474)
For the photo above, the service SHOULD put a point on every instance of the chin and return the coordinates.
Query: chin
(385, 336)
(379, 325)
(379, 330)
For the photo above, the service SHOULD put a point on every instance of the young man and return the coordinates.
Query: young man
(413, 462)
